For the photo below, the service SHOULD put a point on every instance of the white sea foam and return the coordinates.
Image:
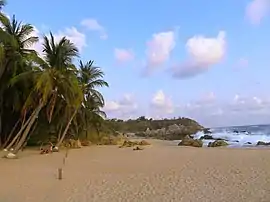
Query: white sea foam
(236, 138)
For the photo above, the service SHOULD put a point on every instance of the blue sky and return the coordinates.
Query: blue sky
(207, 60)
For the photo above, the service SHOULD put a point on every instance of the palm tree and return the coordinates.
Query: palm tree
(90, 78)
(54, 79)
(59, 57)
(15, 39)
(40, 95)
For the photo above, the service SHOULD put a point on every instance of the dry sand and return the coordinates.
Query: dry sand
(159, 173)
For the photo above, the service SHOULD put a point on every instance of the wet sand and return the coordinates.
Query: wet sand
(162, 172)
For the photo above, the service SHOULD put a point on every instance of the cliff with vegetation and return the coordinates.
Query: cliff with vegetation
(168, 129)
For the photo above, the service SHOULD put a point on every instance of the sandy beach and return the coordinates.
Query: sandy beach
(161, 172)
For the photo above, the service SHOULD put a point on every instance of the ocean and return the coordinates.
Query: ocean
(240, 136)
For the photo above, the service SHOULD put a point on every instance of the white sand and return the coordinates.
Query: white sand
(160, 173)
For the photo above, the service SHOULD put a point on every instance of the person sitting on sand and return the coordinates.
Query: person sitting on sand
(46, 150)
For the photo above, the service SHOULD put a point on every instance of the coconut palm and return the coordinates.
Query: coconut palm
(90, 78)
(54, 79)
(15, 38)
(44, 94)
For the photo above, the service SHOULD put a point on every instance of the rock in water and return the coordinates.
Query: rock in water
(218, 143)
(206, 137)
(261, 143)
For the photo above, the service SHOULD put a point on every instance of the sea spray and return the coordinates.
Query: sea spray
(239, 136)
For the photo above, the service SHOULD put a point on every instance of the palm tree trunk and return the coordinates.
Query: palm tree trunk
(10, 134)
(28, 128)
(20, 131)
(66, 129)
(30, 134)
(59, 133)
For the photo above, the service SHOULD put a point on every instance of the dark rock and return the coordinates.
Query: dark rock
(207, 137)
(248, 143)
(207, 131)
(218, 143)
(261, 143)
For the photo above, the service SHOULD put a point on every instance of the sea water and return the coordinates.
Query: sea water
(239, 136)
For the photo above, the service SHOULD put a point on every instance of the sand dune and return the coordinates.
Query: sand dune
(161, 172)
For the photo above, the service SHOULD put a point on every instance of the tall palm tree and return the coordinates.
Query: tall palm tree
(54, 78)
(90, 78)
(15, 38)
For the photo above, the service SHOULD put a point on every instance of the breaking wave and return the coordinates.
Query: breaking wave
(240, 136)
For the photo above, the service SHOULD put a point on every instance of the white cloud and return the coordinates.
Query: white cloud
(121, 108)
(159, 48)
(256, 10)
(76, 37)
(203, 52)
(123, 55)
(249, 104)
(94, 25)
(161, 103)
(239, 110)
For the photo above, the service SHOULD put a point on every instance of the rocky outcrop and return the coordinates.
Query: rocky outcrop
(188, 141)
(261, 143)
(172, 132)
(218, 143)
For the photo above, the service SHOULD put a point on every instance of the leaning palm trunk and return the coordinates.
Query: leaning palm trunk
(59, 133)
(20, 131)
(10, 134)
(28, 128)
(66, 129)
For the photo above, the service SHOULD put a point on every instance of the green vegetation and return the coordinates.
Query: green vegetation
(45, 97)
(169, 129)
